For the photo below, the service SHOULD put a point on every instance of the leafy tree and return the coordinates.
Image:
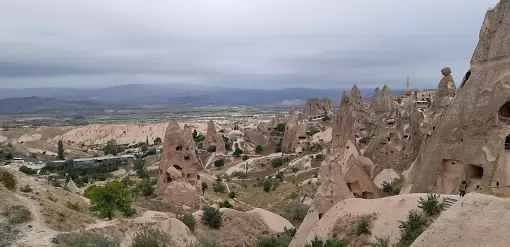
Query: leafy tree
(145, 187)
(280, 127)
(232, 194)
(157, 141)
(189, 221)
(258, 149)
(60, 151)
(212, 217)
(105, 200)
(225, 204)
(219, 163)
(139, 164)
(204, 187)
(237, 152)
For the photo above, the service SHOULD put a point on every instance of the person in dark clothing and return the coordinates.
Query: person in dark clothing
(463, 188)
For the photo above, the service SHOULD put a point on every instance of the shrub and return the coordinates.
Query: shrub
(239, 174)
(27, 170)
(381, 242)
(189, 221)
(295, 169)
(219, 187)
(206, 241)
(258, 149)
(410, 229)
(278, 150)
(328, 243)
(9, 233)
(26, 189)
(280, 127)
(204, 187)
(151, 237)
(219, 163)
(245, 157)
(430, 206)
(313, 132)
(280, 176)
(232, 194)
(294, 195)
(277, 162)
(211, 149)
(387, 187)
(363, 226)
(225, 204)
(88, 239)
(212, 217)
(237, 152)
(295, 212)
(17, 214)
(279, 240)
(365, 140)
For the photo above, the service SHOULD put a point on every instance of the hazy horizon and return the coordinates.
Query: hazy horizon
(251, 44)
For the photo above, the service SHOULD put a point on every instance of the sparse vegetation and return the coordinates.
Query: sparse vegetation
(430, 206)
(363, 226)
(245, 157)
(390, 189)
(189, 221)
(239, 174)
(380, 242)
(26, 189)
(294, 169)
(145, 187)
(17, 214)
(7, 179)
(9, 233)
(313, 132)
(218, 186)
(151, 237)
(107, 199)
(207, 241)
(237, 152)
(295, 212)
(212, 217)
(410, 229)
(328, 243)
(90, 239)
(269, 184)
(278, 150)
(280, 176)
(232, 194)
(280, 127)
(279, 240)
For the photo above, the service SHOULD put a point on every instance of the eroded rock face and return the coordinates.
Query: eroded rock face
(212, 138)
(178, 179)
(445, 91)
(363, 126)
(318, 108)
(295, 134)
(382, 103)
(469, 141)
(260, 135)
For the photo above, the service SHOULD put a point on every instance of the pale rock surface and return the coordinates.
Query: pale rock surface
(72, 186)
(275, 222)
(386, 175)
(469, 141)
(318, 108)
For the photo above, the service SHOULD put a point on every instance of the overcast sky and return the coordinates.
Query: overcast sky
(236, 43)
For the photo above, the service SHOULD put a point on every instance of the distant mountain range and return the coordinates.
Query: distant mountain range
(35, 100)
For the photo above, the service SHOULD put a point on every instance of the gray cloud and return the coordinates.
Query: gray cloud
(263, 43)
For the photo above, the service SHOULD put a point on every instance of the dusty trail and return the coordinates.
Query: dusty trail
(35, 232)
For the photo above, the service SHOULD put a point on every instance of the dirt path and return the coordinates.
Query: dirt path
(210, 160)
(35, 232)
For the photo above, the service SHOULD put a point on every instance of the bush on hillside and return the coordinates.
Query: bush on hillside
(26, 189)
(380, 242)
(212, 217)
(27, 170)
(258, 149)
(295, 212)
(430, 206)
(225, 204)
(219, 187)
(410, 229)
(232, 194)
(239, 174)
(9, 233)
(328, 243)
(91, 239)
(276, 162)
(207, 241)
(7, 179)
(17, 214)
(219, 163)
(363, 226)
(151, 237)
(189, 221)
(279, 240)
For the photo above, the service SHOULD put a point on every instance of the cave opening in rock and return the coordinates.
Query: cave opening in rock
(178, 148)
(507, 143)
(186, 157)
(504, 112)
(475, 171)
(178, 167)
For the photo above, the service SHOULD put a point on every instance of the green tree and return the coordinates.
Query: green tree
(145, 188)
(60, 151)
(280, 127)
(280, 176)
(237, 152)
(189, 221)
(232, 194)
(258, 149)
(219, 163)
(204, 187)
(212, 217)
(157, 141)
(107, 199)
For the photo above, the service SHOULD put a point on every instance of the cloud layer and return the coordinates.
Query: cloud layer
(252, 44)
